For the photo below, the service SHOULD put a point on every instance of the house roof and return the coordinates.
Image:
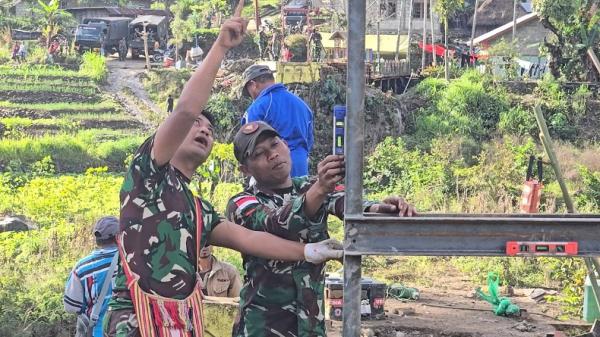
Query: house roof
(504, 28)
(122, 11)
(496, 12)
(338, 35)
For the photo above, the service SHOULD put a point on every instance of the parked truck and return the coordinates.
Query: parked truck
(157, 28)
(92, 31)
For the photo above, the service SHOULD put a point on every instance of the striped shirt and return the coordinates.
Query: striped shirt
(85, 283)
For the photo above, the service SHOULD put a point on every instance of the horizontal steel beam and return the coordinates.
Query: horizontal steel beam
(466, 234)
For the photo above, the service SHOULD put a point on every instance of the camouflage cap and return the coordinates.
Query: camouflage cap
(246, 137)
(251, 73)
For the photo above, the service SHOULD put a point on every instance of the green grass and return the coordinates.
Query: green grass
(96, 116)
(40, 71)
(72, 152)
(47, 88)
(63, 106)
(12, 123)
(48, 81)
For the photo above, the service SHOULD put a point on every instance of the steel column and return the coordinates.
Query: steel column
(354, 136)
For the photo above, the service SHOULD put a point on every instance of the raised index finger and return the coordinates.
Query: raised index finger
(238, 9)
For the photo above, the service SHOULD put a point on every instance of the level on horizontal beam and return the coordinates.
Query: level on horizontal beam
(467, 234)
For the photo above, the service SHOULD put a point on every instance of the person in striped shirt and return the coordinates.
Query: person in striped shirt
(87, 277)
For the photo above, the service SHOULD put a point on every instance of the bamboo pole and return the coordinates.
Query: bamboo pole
(591, 263)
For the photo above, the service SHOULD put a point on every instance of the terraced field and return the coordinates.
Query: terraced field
(61, 114)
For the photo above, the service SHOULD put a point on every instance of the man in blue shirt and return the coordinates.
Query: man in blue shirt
(87, 278)
(284, 111)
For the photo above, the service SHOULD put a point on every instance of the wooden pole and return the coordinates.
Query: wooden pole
(256, 15)
(145, 38)
(591, 263)
(594, 58)
(547, 143)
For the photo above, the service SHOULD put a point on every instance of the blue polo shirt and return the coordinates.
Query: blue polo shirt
(291, 117)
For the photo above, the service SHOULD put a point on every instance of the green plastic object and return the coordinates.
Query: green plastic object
(501, 306)
(400, 292)
(590, 308)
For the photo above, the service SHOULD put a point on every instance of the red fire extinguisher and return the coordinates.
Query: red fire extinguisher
(532, 188)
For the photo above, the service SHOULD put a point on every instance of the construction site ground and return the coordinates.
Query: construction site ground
(450, 308)
(447, 307)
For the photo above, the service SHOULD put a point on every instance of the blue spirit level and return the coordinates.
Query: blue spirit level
(339, 126)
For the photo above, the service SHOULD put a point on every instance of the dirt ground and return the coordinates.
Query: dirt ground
(453, 310)
(125, 75)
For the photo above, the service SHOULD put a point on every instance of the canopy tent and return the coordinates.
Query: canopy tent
(387, 43)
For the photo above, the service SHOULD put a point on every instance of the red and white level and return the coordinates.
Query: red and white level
(533, 248)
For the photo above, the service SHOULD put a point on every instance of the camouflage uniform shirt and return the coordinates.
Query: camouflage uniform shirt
(159, 223)
(279, 298)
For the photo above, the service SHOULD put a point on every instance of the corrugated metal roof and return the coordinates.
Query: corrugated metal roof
(151, 19)
(504, 28)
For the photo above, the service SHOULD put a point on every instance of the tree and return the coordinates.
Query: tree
(576, 29)
(182, 25)
(446, 9)
(53, 18)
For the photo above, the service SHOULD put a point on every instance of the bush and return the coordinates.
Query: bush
(297, 44)
(518, 121)
(94, 66)
(467, 107)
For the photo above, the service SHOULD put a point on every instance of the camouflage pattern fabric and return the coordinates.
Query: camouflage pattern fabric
(283, 298)
(120, 323)
(159, 222)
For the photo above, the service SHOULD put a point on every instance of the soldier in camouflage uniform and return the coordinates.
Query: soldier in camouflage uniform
(286, 298)
(158, 210)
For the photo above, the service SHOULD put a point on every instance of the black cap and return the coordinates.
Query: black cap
(245, 139)
(251, 73)
(106, 227)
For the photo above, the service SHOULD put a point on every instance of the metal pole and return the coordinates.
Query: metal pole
(473, 29)
(514, 28)
(410, 24)
(355, 101)
(423, 53)
(400, 26)
(432, 33)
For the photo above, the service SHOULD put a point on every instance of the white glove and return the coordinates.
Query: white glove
(320, 252)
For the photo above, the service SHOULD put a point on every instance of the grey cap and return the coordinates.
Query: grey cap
(244, 141)
(251, 73)
(106, 228)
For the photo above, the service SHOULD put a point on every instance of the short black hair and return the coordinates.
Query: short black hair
(264, 78)
(206, 113)
(105, 242)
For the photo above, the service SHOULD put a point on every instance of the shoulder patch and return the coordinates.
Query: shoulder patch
(245, 201)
